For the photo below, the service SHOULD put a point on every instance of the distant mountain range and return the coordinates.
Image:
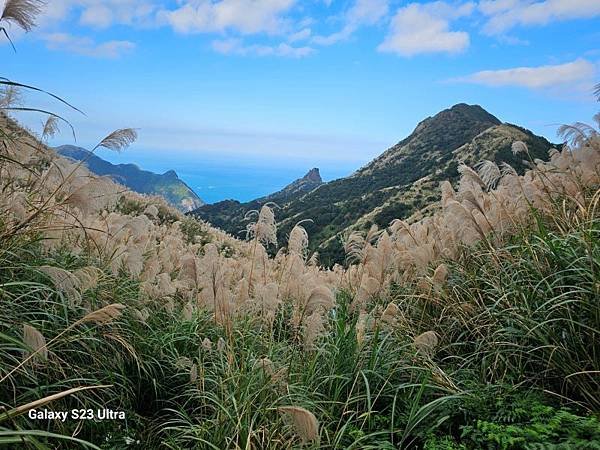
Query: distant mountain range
(168, 185)
(403, 182)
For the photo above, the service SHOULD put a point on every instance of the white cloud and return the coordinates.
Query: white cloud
(334, 38)
(301, 35)
(100, 13)
(237, 47)
(361, 13)
(367, 12)
(98, 16)
(244, 16)
(539, 77)
(425, 28)
(86, 46)
(506, 14)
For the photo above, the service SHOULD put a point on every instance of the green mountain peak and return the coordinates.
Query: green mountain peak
(403, 182)
(167, 185)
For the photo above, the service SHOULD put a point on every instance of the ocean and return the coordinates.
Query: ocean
(215, 178)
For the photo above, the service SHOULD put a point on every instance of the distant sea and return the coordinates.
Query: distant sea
(216, 178)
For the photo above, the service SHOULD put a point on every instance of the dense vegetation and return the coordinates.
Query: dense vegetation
(512, 364)
(473, 328)
(167, 185)
(401, 182)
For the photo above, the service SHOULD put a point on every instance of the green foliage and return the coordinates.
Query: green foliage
(196, 232)
(515, 366)
(500, 417)
(358, 393)
(545, 427)
(135, 207)
(443, 443)
(376, 393)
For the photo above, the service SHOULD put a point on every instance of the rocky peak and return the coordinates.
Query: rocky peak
(313, 176)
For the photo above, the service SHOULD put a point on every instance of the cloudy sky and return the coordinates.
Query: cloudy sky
(323, 81)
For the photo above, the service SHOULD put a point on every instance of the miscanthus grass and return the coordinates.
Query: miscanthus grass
(208, 342)
(474, 328)
(414, 366)
(415, 374)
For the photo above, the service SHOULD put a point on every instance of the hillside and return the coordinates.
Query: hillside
(474, 322)
(230, 214)
(125, 324)
(401, 183)
(167, 185)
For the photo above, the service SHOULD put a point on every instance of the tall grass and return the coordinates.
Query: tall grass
(474, 328)
(522, 322)
(208, 342)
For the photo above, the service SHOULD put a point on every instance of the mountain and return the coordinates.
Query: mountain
(403, 182)
(307, 183)
(229, 214)
(167, 185)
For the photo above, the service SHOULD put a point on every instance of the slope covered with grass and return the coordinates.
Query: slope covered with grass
(400, 183)
(476, 327)
(514, 332)
(473, 328)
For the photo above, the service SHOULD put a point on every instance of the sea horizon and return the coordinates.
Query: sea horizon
(229, 176)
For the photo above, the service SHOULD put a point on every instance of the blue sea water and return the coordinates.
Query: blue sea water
(221, 177)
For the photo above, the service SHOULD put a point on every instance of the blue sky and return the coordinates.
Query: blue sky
(297, 84)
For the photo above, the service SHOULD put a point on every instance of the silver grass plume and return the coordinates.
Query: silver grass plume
(305, 423)
(36, 341)
(65, 281)
(9, 96)
(264, 230)
(508, 170)
(440, 275)
(361, 327)
(489, 172)
(391, 314)
(447, 191)
(265, 365)
(298, 241)
(519, 147)
(267, 227)
(426, 343)
(50, 128)
(141, 315)
(207, 344)
(194, 373)
(577, 134)
(470, 174)
(152, 211)
(320, 299)
(104, 315)
(22, 12)
(118, 140)
(354, 247)
(313, 261)
(183, 363)
(188, 311)
(88, 277)
(357, 246)
(313, 328)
